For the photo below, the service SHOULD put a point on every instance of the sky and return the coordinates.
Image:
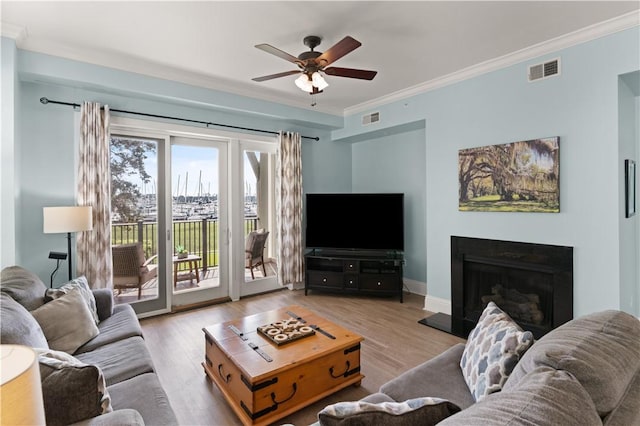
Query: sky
(191, 160)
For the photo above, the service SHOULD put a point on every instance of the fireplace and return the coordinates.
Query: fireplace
(533, 283)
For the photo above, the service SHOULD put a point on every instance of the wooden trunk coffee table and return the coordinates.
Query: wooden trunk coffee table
(264, 380)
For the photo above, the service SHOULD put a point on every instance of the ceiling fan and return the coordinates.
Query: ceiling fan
(312, 63)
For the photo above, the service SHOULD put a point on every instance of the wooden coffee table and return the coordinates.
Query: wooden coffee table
(264, 381)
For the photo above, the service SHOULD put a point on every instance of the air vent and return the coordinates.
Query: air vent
(544, 70)
(374, 117)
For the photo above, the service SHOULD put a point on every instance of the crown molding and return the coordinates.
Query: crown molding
(14, 31)
(592, 32)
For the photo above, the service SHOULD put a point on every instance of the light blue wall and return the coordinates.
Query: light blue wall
(326, 167)
(581, 107)
(10, 96)
(396, 164)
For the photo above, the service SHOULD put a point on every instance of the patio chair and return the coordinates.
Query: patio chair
(254, 251)
(130, 267)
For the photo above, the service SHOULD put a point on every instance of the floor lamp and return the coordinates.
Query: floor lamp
(67, 219)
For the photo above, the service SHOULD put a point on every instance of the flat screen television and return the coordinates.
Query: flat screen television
(355, 221)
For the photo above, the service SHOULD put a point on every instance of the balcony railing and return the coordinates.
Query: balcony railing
(199, 237)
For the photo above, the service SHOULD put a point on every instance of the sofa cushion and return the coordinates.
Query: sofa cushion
(104, 302)
(600, 350)
(82, 286)
(120, 360)
(424, 411)
(66, 322)
(18, 326)
(545, 397)
(71, 390)
(627, 412)
(440, 376)
(126, 417)
(492, 351)
(23, 286)
(144, 394)
(119, 326)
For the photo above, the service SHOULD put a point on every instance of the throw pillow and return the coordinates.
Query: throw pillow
(17, 325)
(82, 285)
(66, 322)
(23, 286)
(72, 390)
(422, 411)
(493, 349)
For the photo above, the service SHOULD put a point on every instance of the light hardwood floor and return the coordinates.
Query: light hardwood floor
(394, 342)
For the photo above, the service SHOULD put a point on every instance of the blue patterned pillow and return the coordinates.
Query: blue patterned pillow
(418, 411)
(493, 349)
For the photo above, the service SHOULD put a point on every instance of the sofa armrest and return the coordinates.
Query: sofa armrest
(104, 302)
(439, 377)
(124, 417)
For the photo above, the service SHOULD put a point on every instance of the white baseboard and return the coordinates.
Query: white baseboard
(415, 287)
(436, 304)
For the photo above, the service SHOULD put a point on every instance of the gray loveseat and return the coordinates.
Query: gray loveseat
(585, 372)
(136, 395)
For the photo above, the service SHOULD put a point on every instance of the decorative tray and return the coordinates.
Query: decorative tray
(285, 331)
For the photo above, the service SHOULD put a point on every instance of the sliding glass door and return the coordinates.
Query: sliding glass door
(137, 249)
(199, 220)
(255, 211)
(185, 205)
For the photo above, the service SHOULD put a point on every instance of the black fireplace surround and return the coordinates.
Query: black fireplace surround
(533, 283)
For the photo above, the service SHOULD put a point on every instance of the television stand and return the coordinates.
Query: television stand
(369, 272)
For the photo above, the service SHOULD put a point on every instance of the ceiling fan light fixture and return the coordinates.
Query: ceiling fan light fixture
(304, 83)
(318, 81)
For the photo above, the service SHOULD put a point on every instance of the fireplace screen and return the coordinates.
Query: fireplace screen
(527, 296)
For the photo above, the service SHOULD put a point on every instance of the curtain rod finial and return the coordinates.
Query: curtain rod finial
(44, 100)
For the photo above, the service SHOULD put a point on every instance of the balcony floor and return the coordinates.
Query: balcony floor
(208, 279)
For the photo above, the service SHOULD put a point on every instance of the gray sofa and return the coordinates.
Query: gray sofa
(585, 372)
(119, 352)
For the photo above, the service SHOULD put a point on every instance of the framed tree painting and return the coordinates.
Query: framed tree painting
(630, 187)
(515, 177)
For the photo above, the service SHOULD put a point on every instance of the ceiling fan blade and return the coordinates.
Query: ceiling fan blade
(351, 73)
(279, 53)
(272, 76)
(337, 51)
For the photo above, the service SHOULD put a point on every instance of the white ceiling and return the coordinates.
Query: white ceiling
(211, 43)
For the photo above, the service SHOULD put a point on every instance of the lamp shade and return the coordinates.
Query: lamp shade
(304, 83)
(318, 81)
(67, 219)
(20, 388)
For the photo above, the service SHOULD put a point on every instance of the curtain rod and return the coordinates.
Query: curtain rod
(45, 101)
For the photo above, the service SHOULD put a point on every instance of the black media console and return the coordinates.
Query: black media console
(354, 272)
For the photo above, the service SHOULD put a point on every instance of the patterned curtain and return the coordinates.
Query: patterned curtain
(289, 209)
(94, 189)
